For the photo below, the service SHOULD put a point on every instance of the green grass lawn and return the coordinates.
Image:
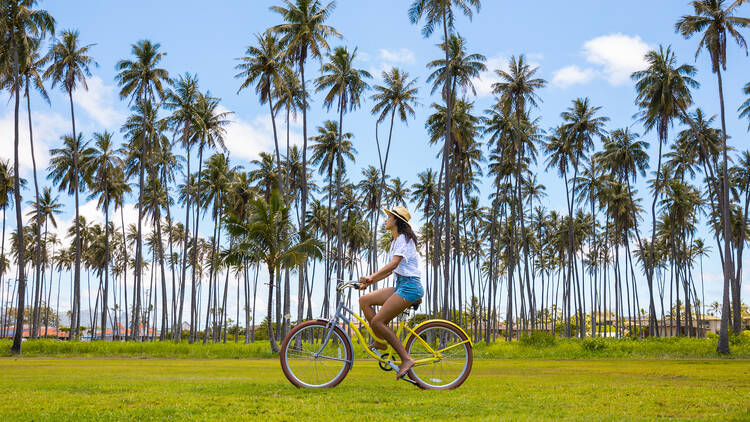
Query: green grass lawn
(509, 389)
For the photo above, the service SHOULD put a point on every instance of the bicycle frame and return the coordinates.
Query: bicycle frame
(341, 315)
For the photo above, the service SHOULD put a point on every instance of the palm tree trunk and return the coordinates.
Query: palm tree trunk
(340, 214)
(185, 240)
(271, 338)
(729, 282)
(448, 181)
(139, 246)
(125, 271)
(76, 321)
(194, 318)
(17, 336)
(106, 267)
(160, 247)
(38, 245)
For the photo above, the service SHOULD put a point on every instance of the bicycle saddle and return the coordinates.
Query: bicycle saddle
(416, 304)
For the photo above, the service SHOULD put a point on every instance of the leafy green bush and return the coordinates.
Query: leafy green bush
(538, 339)
(594, 344)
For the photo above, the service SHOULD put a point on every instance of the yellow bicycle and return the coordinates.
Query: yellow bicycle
(318, 353)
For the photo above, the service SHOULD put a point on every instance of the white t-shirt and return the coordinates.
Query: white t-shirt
(405, 248)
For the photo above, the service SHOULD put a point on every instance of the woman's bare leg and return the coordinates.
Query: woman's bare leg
(376, 298)
(390, 309)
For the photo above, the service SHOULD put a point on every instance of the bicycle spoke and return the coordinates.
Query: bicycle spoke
(444, 354)
(313, 361)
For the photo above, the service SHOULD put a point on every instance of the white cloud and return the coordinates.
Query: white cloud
(99, 102)
(246, 140)
(572, 75)
(48, 127)
(402, 55)
(483, 84)
(619, 55)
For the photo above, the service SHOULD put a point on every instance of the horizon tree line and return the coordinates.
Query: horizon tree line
(573, 271)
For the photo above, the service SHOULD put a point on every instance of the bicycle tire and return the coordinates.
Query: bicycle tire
(312, 325)
(468, 360)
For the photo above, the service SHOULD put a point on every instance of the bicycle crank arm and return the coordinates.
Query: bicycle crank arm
(405, 377)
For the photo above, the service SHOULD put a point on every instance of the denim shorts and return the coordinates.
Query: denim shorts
(409, 288)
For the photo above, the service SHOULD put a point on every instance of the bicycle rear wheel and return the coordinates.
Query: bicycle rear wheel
(307, 364)
(450, 346)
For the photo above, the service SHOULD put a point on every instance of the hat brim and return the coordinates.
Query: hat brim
(396, 215)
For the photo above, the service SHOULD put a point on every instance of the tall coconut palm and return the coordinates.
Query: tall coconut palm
(713, 22)
(268, 235)
(580, 127)
(343, 85)
(398, 94)
(436, 13)
(625, 157)
(32, 74)
(662, 94)
(142, 129)
(182, 100)
(143, 82)
(330, 146)
(209, 130)
(304, 33)
(452, 74)
(105, 163)
(20, 23)
(69, 65)
(261, 66)
(67, 169)
(517, 90)
(215, 187)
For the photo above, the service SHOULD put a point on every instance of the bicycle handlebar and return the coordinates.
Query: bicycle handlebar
(353, 284)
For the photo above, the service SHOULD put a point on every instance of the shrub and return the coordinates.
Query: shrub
(538, 339)
(594, 344)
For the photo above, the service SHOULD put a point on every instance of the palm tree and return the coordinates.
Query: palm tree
(397, 94)
(580, 128)
(714, 21)
(142, 81)
(105, 164)
(20, 23)
(215, 186)
(304, 34)
(182, 99)
(517, 90)
(344, 85)
(268, 234)
(261, 66)
(70, 177)
(69, 67)
(663, 94)
(329, 146)
(452, 74)
(209, 131)
(7, 175)
(32, 73)
(625, 157)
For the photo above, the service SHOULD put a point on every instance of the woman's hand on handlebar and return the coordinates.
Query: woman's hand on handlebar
(364, 282)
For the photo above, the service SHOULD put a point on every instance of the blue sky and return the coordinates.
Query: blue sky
(584, 48)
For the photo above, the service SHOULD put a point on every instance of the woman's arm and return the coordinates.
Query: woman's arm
(381, 273)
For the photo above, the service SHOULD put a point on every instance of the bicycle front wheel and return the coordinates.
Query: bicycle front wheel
(309, 363)
(451, 351)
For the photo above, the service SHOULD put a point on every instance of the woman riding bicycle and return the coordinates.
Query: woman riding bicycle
(392, 301)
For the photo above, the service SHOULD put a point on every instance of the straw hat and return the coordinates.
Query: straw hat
(399, 212)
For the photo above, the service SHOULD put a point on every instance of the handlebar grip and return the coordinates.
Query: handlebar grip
(356, 286)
